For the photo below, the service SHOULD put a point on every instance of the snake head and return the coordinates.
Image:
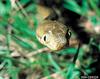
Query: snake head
(53, 34)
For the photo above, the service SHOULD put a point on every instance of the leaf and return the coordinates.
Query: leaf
(21, 25)
(85, 7)
(24, 1)
(11, 70)
(1, 77)
(5, 8)
(70, 71)
(23, 44)
(94, 6)
(56, 66)
(73, 6)
(68, 51)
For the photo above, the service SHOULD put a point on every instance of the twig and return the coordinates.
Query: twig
(76, 55)
(22, 9)
(8, 38)
(37, 51)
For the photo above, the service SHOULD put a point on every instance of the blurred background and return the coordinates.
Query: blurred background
(22, 56)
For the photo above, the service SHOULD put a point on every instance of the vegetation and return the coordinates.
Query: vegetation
(23, 57)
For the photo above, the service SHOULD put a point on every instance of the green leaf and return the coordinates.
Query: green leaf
(75, 75)
(11, 70)
(94, 6)
(24, 1)
(23, 44)
(53, 62)
(1, 78)
(68, 51)
(5, 8)
(70, 71)
(85, 7)
(22, 26)
(73, 6)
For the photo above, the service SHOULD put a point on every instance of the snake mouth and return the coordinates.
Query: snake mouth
(57, 43)
(60, 46)
(61, 43)
(56, 46)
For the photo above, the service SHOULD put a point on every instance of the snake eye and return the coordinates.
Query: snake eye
(44, 38)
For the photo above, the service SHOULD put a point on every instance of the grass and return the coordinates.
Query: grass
(18, 40)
